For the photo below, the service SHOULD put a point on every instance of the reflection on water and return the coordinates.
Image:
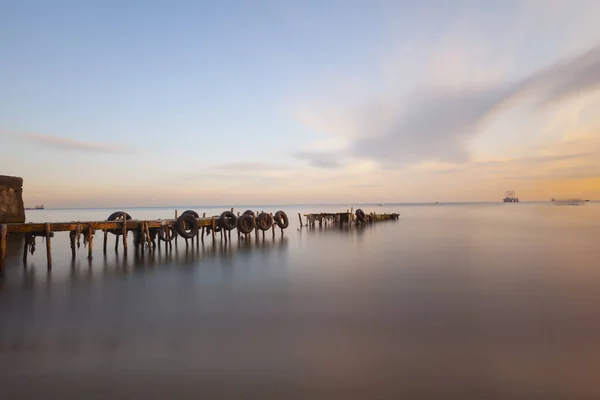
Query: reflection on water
(483, 301)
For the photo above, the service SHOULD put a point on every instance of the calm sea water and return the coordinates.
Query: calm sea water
(463, 301)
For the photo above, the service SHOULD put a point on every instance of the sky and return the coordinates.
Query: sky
(157, 103)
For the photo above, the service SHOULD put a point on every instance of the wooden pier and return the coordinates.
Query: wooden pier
(146, 233)
(346, 218)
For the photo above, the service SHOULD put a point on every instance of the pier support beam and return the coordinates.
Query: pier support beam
(48, 247)
(3, 232)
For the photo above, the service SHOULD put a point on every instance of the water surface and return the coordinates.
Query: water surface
(451, 302)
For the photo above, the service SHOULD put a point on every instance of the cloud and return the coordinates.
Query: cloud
(62, 143)
(323, 159)
(251, 166)
(438, 124)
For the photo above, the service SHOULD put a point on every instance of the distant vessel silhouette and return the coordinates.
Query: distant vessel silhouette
(38, 207)
(510, 197)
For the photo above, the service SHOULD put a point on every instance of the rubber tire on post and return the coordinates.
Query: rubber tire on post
(191, 212)
(162, 234)
(228, 220)
(245, 224)
(281, 219)
(190, 221)
(117, 215)
(264, 222)
(249, 212)
(360, 214)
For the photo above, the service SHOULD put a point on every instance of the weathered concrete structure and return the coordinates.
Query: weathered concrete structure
(11, 199)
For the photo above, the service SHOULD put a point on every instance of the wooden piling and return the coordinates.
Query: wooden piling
(90, 239)
(72, 243)
(214, 224)
(124, 234)
(176, 231)
(105, 240)
(25, 248)
(3, 232)
(48, 246)
(238, 231)
(300, 219)
(255, 228)
(202, 234)
(148, 239)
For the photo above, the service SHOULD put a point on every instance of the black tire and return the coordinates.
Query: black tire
(360, 214)
(186, 226)
(227, 220)
(245, 223)
(162, 234)
(249, 212)
(191, 212)
(281, 219)
(264, 221)
(118, 215)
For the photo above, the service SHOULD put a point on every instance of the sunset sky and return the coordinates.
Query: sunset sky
(146, 103)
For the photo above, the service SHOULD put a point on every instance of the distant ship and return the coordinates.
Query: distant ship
(568, 202)
(38, 207)
(510, 197)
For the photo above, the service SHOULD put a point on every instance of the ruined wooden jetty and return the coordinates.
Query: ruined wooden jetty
(189, 226)
(346, 218)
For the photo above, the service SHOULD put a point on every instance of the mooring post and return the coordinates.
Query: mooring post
(300, 219)
(176, 231)
(238, 229)
(272, 223)
(124, 234)
(25, 248)
(90, 239)
(213, 228)
(105, 240)
(48, 245)
(202, 234)
(255, 228)
(148, 239)
(3, 231)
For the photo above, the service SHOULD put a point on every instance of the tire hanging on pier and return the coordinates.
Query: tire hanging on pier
(245, 224)
(264, 221)
(162, 233)
(186, 226)
(281, 219)
(360, 214)
(118, 216)
(191, 212)
(249, 212)
(227, 220)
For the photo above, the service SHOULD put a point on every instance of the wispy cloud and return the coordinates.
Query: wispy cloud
(321, 159)
(62, 143)
(438, 124)
(250, 166)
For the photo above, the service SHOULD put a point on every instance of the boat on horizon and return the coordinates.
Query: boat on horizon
(568, 202)
(38, 207)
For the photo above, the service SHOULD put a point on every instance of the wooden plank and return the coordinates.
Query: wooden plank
(48, 246)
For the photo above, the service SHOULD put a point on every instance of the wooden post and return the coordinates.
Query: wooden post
(213, 228)
(272, 223)
(3, 231)
(124, 235)
(176, 231)
(148, 240)
(48, 245)
(238, 231)
(255, 228)
(90, 239)
(300, 219)
(202, 235)
(117, 242)
(25, 248)
(105, 239)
